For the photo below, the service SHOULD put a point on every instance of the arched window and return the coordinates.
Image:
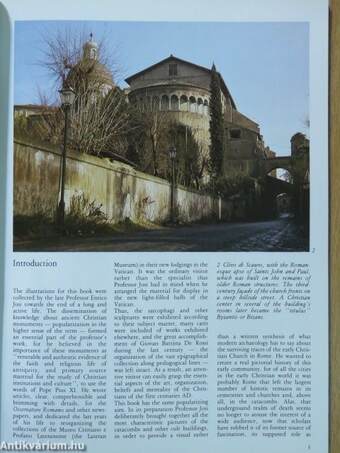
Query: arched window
(206, 108)
(165, 102)
(192, 104)
(200, 106)
(174, 102)
(93, 53)
(235, 134)
(184, 103)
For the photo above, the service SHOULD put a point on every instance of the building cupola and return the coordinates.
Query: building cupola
(90, 49)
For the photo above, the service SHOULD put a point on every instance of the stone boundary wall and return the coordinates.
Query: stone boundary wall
(118, 189)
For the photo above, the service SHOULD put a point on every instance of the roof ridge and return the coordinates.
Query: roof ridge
(223, 84)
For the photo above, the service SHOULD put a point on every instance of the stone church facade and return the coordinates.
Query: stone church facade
(182, 89)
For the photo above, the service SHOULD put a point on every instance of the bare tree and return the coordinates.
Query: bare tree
(97, 125)
(99, 115)
(63, 50)
(191, 163)
(100, 124)
(153, 123)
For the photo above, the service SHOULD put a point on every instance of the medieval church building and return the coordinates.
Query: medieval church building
(182, 89)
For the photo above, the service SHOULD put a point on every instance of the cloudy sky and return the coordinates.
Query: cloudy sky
(265, 65)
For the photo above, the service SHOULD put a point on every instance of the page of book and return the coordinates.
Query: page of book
(165, 278)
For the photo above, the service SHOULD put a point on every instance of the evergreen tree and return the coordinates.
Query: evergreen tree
(190, 166)
(216, 126)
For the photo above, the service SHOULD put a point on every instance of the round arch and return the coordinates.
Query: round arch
(281, 173)
(284, 204)
(165, 102)
(174, 103)
(200, 106)
(206, 107)
(274, 163)
(192, 104)
(184, 103)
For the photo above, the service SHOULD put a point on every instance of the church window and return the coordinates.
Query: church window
(200, 105)
(165, 102)
(172, 69)
(193, 105)
(174, 102)
(235, 134)
(206, 108)
(93, 53)
(184, 103)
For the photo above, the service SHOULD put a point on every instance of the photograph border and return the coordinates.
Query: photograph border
(334, 242)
